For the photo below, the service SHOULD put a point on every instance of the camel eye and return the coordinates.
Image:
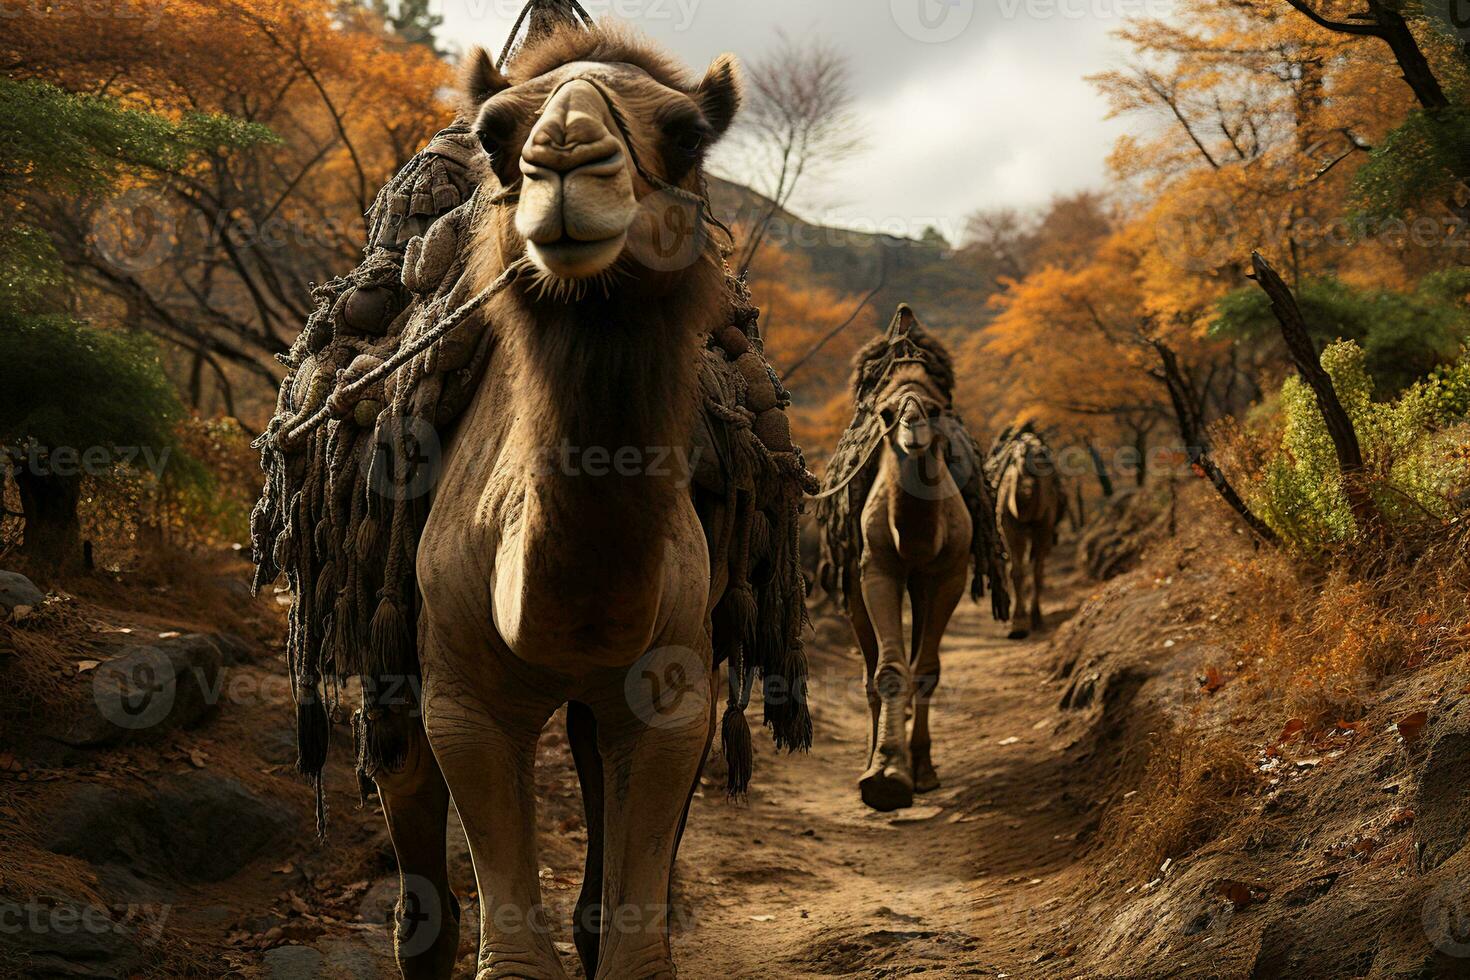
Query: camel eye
(489, 143)
(691, 141)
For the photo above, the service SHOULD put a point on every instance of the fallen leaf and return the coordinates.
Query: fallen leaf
(85, 665)
(1349, 727)
(1404, 818)
(1008, 741)
(198, 759)
(1412, 727)
(1212, 681)
(1292, 729)
(1240, 894)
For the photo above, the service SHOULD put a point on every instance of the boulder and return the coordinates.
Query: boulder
(1441, 819)
(60, 936)
(192, 827)
(147, 692)
(17, 590)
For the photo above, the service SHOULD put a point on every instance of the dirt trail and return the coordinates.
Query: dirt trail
(805, 881)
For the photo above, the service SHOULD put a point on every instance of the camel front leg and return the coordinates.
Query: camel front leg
(936, 597)
(888, 783)
(862, 628)
(485, 740)
(652, 749)
(416, 804)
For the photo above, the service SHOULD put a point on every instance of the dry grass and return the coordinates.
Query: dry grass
(1320, 640)
(1189, 795)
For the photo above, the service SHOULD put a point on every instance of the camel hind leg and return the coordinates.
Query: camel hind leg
(1017, 542)
(587, 920)
(1040, 549)
(426, 919)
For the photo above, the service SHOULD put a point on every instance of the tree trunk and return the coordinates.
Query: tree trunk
(53, 532)
(1192, 431)
(1100, 470)
(1309, 364)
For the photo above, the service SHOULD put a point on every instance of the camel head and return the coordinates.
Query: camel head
(910, 405)
(606, 137)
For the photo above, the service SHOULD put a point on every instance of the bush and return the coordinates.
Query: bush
(1404, 336)
(1413, 451)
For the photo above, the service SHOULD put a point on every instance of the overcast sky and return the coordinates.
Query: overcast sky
(968, 104)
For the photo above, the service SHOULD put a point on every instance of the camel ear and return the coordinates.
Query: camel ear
(719, 94)
(480, 79)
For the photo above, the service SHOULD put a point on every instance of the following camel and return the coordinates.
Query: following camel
(1030, 505)
(614, 513)
(905, 511)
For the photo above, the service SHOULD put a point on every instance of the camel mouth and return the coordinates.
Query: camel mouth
(569, 258)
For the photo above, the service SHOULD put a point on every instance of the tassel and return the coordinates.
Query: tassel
(760, 536)
(367, 538)
(313, 732)
(735, 744)
(390, 647)
(741, 609)
(326, 584)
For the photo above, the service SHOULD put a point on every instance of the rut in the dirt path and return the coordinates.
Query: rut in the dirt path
(806, 881)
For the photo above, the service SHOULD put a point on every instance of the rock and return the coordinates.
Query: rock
(147, 692)
(17, 590)
(66, 937)
(1441, 819)
(293, 963)
(171, 829)
(1119, 532)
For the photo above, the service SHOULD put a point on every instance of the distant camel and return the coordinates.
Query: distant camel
(1030, 505)
(905, 510)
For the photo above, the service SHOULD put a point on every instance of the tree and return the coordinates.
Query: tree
(250, 228)
(70, 394)
(798, 121)
(411, 21)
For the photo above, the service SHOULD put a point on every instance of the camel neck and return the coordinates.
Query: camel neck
(603, 437)
(917, 487)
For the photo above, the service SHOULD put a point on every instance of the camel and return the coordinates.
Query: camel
(1030, 505)
(546, 578)
(907, 523)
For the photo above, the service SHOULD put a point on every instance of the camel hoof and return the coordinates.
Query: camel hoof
(887, 789)
(1018, 633)
(926, 780)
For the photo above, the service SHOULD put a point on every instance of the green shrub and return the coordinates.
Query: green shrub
(1404, 336)
(1412, 451)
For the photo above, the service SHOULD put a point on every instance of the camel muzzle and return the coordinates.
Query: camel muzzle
(577, 199)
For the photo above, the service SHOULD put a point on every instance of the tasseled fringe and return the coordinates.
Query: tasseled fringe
(390, 644)
(326, 585)
(367, 538)
(760, 536)
(313, 731)
(735, 744)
